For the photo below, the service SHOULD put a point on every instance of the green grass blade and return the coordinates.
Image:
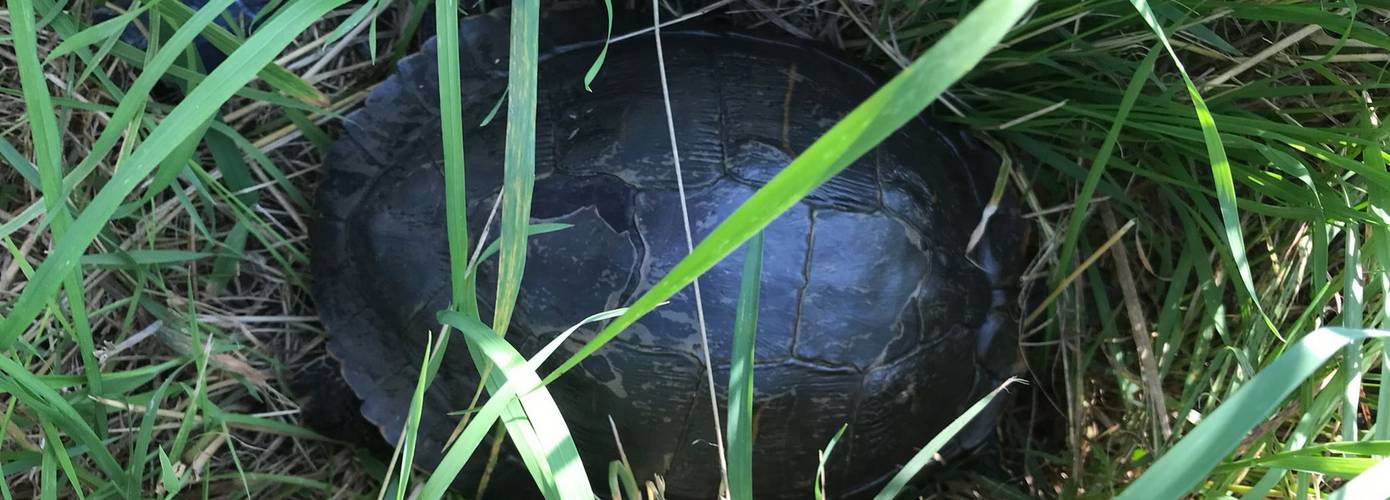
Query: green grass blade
(620, 479)
(924, 456)
(1188, 462)
(520, 158)
(196, 108)
(467, 442)
(48, 160)
(819, 488)
(451, 126)
(602, 53)
(1351, 319)
(555, 446)
(434, 354)
(740, 411)
(901, 99)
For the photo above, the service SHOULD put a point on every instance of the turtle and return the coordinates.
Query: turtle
(876, 312)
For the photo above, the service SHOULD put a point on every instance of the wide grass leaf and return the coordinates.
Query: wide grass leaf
(519, 158)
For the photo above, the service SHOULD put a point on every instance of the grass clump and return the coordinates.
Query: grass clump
(1206, 182)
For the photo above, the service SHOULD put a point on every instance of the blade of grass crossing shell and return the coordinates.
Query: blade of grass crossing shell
(819, 489)
(924, 455)
(541, 414)
(898, 101)
(1189, 461)
(602, 53)
(1220, 168)
(740, 410)
(47, 160)
(889, 108)
(95, 34)
(520, 158)
(198, 106)
(451, 125)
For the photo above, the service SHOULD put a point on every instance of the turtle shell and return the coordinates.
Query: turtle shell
(873, 313)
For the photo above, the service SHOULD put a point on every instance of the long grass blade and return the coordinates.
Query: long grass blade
(520, 158)
(819, 487)
(741, 393)
(451, 126)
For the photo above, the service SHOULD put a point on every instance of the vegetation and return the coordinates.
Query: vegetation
(1206, 181)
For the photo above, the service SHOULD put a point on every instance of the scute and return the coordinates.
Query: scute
(854, 295)
(872, 314)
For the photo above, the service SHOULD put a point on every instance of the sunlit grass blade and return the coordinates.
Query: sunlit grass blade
(740, 410)
(459, 453)
(1093, 176)
(924, 455)
(196, 108)
(1188, 462)
(552, 443)
(519, 158)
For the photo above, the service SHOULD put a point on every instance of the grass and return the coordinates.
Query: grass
(1206, 182)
